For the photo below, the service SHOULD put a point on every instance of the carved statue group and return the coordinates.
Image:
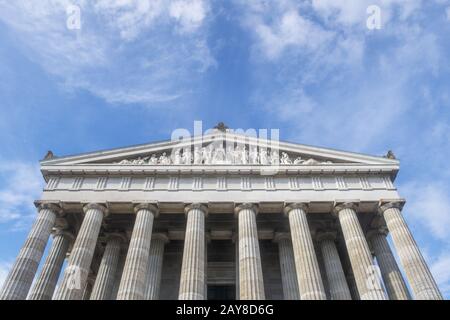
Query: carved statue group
(217, 154)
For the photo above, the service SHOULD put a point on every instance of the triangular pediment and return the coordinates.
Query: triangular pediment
(220, 148)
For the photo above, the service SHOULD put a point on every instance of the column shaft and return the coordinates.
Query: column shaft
(155, 265)
(308, 272)
(419, 276)
(192, 281)
(364, 270)
(392, 277)
(45, 284)
(119, 271)
(104, 282)
(132, 285)
(352, 286)
(20, 278)
(287, 266)
(333, 268)
(78, 267)
(251, 283)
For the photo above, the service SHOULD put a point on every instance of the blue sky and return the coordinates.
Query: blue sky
(136, 70)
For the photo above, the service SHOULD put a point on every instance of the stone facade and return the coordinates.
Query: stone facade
(190, 220)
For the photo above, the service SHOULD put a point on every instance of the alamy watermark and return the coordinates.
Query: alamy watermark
(373, 21)
(73, 21)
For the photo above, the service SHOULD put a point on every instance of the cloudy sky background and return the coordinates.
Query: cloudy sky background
(136, 70)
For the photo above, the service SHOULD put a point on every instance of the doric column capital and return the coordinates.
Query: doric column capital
(161, 236)
(323, 235)
(53, 206)
(288, 207)
(383, 205)
(198, 206)
(340, 205)
(96, 206)
(148, 206)
(248, 206)
(279, 236)
(377, 231)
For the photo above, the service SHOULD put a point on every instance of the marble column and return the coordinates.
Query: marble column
(88, 287)
(287, 266)
(20, 278)
(104, 282)
(251, 283)
(392, 277)
(337, 282)
(45, 284)
(119, 271)
(417, 272)
(364, 269)
(308, 272)
(78, 267)
(192, 281)
(133, 281)
(350, 277)
(235, 239)
(155, 264)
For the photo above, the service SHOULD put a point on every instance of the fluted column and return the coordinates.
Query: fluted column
(45, 284)
(337, 282)
(419, 276)
(392, 277)
(20, 278)
(364, 269)
(308, 272)
(235, 239)
(88, 287)
(251, 283)
(104, 282)
(352, 286)
(119, 271)
(155, 264)
(77, 270)
(192, 281)
(287, 266)
(132, 285)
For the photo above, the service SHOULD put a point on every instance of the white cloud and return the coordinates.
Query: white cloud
(190, 14)
(291, 30)
(125, 52)
(440, 269)
(21, 186)
(428, 205)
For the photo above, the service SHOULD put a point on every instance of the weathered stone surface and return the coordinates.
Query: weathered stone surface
(251, 283)
(364, 269)
(104, 282)
(393, 280)
(192, 282)
(119, 270)
(308, 272)
(20, 278)
(132, 284)
(287, 265)
(155, 265)
(333, 268)
(422, 283)
(77, 270)
(45, 284)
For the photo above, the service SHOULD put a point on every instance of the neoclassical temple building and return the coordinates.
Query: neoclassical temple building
(220, 216)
